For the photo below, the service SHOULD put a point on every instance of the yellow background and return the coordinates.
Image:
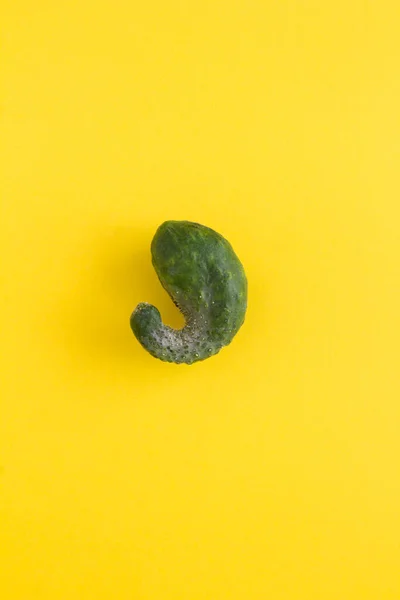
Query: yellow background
(271, 471)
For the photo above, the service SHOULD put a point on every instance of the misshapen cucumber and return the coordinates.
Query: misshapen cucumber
(205, 279)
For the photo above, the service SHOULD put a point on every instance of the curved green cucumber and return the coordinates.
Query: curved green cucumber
(206, 280)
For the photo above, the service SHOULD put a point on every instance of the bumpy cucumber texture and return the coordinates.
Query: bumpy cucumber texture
(206, 280)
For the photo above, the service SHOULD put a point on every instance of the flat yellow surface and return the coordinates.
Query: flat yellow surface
(269, 472)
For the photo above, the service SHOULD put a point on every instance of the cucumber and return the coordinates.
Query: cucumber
(205, 279)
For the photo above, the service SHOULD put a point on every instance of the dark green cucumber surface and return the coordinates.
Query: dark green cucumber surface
(201, 272)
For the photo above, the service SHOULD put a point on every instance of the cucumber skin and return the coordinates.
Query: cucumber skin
(205, 279)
